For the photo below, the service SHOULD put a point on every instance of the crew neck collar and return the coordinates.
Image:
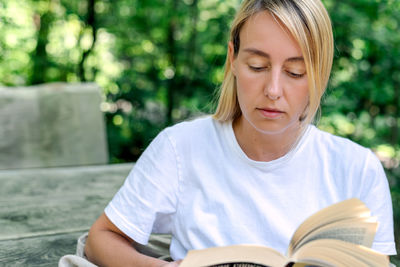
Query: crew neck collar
(233, 143)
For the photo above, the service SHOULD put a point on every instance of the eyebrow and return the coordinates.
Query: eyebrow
(263, 54)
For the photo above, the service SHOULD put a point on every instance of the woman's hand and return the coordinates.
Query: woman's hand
(172, 264)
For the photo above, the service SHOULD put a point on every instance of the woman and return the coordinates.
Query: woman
(257, 168)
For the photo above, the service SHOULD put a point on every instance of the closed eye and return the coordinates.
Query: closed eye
(295, 75)
(257, 69)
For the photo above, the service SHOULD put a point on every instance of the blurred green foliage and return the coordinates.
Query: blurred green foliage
(160, 62)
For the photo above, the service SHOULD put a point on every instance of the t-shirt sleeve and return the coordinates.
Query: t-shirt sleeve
(376, 195)
(147, 200)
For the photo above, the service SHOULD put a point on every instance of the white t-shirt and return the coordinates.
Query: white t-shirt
(195, 182)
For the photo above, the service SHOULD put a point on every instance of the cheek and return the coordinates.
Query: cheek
(298, 94)
(245, 90)
(246, 80)
(303, 95)
(299, 87)
(303, 91)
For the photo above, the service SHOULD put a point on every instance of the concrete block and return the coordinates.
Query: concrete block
(56, 124)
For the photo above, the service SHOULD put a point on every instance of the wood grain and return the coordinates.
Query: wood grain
(38, 251)
(41, 201)
(44, 211)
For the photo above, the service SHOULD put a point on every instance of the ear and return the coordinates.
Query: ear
(231, 56)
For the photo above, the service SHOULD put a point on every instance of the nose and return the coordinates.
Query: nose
(273, 87)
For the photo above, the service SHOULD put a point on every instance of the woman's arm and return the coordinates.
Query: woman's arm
(108, 246)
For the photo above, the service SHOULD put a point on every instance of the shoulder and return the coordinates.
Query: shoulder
(335, 144)
(194, 123)
(204, 126)
(340, 151)
(353, 167)
(196, 137)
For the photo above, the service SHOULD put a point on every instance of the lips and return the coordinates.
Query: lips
(270, 113)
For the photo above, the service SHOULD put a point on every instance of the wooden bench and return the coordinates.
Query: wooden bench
(43, 211)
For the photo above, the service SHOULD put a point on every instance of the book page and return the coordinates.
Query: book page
(351, 209)
(322, 256)
(353, 231)
(339, 253)
(362, 253)
(237, 255)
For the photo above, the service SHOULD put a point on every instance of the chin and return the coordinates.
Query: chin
(270, 130)
(273, 127)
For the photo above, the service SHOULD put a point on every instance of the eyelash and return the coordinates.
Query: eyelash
(257, 69)
(291, 74)
(295, 75)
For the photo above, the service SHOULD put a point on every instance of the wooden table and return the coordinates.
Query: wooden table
(44, 211)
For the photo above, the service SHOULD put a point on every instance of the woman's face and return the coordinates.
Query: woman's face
(271, 78)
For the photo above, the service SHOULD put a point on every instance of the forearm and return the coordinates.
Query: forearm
(106, 247)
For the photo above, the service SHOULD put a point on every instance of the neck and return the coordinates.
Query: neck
(262, 146)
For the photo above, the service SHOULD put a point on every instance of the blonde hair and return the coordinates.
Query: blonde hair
(309, 24)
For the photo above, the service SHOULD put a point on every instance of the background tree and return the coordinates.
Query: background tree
(160, 62)
(43, 17)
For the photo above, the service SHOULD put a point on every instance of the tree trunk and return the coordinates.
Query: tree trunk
(90, 22)
(395, 126)
(192, 43)
(40, 59)
(171, 52)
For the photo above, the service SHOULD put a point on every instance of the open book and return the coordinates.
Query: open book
(339, 235)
